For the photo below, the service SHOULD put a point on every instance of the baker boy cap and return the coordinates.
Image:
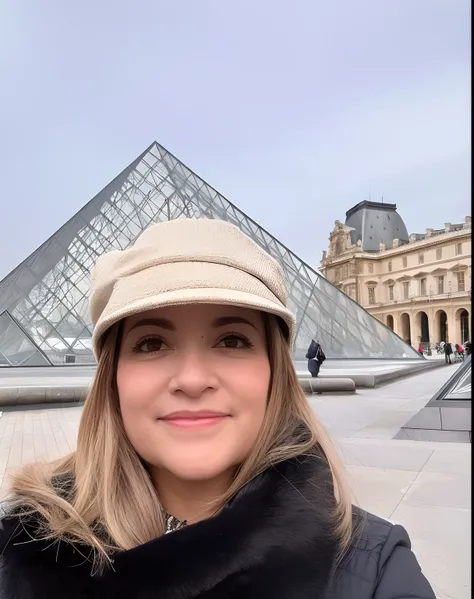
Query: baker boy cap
(186, 261)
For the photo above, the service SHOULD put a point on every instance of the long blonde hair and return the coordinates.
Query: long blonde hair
(102, 495)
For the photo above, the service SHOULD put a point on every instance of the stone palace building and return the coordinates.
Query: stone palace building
(419, 285)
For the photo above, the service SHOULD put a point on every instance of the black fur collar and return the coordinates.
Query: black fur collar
(274, 540)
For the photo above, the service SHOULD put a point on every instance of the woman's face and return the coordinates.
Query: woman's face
(193, 384)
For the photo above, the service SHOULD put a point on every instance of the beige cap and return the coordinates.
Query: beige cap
(186, 261)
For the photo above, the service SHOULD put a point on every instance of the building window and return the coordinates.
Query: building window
(360, 267)
(390, 266)
(439, 253)
(371, 296)
(390, 293)
(440, 285)
(406, 289)
(421, 258)
(350, 290)
(458, 249)
(345, 271)
(423, 287)
(405, 261)
(371, 267)
(461, 282)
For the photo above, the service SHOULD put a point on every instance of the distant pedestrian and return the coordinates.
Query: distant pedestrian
(448, 350)
(316, 357)
(468, 348)
(420, 349)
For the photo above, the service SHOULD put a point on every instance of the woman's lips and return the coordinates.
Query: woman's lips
(193, 421)
(194, 424)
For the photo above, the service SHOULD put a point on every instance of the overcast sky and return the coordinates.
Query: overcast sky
(293, 111)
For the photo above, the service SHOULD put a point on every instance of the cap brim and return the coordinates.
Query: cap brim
(127, 298)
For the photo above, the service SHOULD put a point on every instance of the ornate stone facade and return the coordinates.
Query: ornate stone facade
(420, 289)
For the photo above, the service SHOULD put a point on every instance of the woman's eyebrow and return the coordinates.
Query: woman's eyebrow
(226, 320)
(157, 322)
(164, 323)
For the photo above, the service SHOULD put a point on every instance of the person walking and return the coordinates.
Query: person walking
(201, 471)
(468, 348)
(448, 350)
(420, 350)
(316, 357)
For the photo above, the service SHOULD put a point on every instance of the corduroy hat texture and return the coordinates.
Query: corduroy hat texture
(186, 261)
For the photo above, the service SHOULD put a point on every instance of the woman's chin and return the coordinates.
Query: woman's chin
(197, 470)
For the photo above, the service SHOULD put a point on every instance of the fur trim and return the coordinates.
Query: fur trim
(274, 539)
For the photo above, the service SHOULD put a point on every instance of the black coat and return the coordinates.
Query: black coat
(273, 541)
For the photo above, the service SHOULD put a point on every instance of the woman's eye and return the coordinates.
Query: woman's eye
(233, 342)
(149, 345)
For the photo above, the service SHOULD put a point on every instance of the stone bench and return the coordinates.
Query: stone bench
(327, 385)
(28, 395)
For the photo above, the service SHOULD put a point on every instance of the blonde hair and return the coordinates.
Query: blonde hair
(102, 495)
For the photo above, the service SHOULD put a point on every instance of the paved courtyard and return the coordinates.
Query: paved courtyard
(424, 486)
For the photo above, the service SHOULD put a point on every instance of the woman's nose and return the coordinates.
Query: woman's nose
(193, 374)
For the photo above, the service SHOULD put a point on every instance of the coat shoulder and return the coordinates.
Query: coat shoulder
(372, 538)
(379, 558)
(372, 532)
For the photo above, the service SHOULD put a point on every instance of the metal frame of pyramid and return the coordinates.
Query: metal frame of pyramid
(44, 315)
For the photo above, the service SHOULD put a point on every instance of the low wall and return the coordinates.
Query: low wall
(331, 385)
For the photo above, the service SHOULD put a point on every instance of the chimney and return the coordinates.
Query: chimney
(447, 227)
(429, 232)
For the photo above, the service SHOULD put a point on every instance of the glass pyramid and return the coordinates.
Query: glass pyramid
(44, 317)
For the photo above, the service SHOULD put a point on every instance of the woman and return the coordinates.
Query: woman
(200, 469)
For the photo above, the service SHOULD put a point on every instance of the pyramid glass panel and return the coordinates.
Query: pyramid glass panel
(16, 348)
(44, 317)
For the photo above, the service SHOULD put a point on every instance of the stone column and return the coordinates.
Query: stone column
(453, 333)
(416, 329)
(396, 323)
(434, 328)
